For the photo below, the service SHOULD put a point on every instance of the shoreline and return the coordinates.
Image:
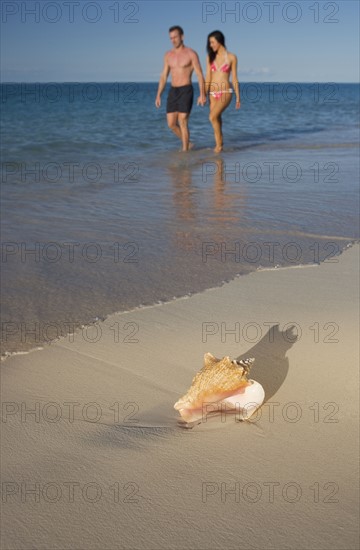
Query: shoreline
(99, 417)
(44, 345)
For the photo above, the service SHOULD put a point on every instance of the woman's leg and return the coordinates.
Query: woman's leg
(217, 106)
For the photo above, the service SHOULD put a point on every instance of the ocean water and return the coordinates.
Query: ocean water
(102, 213)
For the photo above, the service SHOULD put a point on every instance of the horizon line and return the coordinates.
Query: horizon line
(157, 81)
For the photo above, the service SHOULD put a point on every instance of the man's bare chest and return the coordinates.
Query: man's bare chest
(179, 61)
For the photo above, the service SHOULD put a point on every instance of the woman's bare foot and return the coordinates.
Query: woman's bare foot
(218, 149)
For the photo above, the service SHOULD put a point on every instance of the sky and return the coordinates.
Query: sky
(125, 41)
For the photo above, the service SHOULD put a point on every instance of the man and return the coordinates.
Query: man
(181, 61)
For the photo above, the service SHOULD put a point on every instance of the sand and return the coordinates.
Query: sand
(102, 462)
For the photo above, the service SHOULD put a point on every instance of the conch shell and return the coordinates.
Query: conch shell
(221, 384)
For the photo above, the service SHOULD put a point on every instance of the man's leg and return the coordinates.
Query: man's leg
(185, 134)
(172, 120)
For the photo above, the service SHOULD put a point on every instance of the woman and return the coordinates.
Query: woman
(220, 63)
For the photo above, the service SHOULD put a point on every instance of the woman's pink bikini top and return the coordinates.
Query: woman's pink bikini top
(225, 68)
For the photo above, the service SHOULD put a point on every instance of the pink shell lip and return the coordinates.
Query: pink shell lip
(224, 395)
(245, 402)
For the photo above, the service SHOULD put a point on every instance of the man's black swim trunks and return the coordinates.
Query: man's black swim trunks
(180, 99)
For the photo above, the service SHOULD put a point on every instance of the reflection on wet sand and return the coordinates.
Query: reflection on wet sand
(209, 198)
(185, 206)
(184, 192)
(227, 203)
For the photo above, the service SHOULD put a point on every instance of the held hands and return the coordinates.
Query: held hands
(201, 100)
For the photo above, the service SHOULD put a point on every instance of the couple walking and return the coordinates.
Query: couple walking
(181, 61)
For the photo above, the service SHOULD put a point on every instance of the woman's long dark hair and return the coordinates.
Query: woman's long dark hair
(218, 35)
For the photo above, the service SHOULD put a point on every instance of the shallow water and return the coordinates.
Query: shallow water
(101, 213)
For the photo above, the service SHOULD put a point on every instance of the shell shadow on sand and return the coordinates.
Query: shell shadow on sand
(271, 364)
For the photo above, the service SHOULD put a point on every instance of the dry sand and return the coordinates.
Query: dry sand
(102, 463)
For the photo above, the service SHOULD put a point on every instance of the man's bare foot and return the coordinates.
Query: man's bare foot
(191, 146)
(218, 149)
